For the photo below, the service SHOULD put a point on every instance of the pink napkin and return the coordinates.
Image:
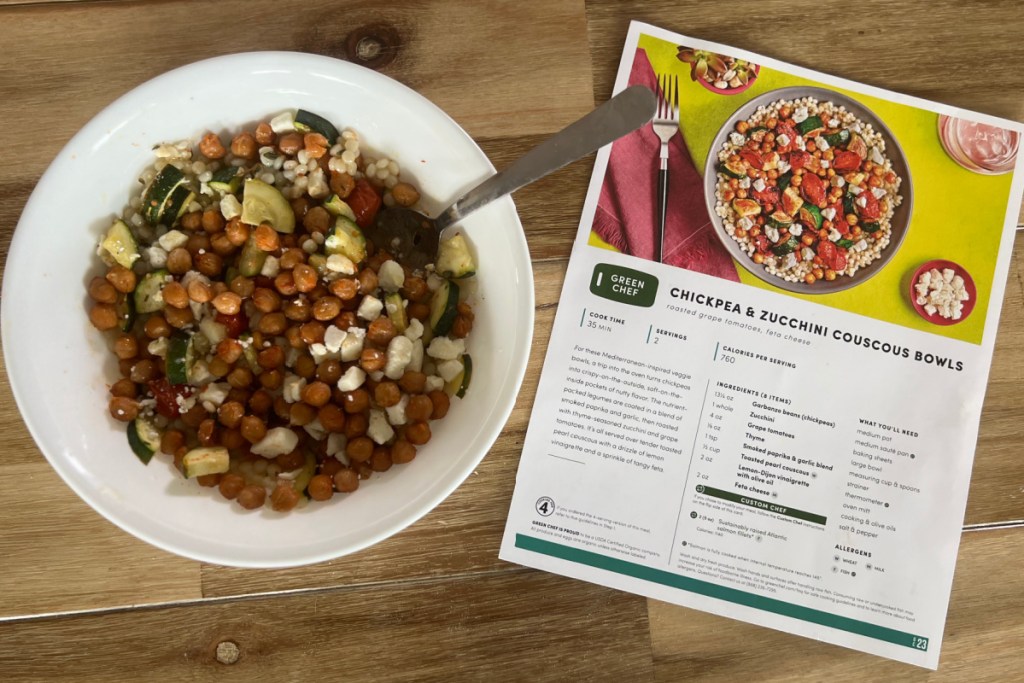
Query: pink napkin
(627, 215)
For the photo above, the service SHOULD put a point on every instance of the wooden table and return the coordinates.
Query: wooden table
(82, 600)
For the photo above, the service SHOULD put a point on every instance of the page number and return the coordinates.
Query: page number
(545, 506)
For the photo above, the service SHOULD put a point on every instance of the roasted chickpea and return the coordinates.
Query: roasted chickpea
(271, 379)
(321, 487)
(359, 449)
(231, 485)
(266, 300)
(372, 360)
(356, 425)
(356, 401)
(270, 358)
(329, 371)
(305, 366)
(332, 418)
(419, 408)
(252, 496)
(387, 394)
(441, 404)
(211, 147)
(417, 433)
(156, 326)
(272, 324)
(316, 220)
(253, 428)
(316, 394)
(305, 277)
(230, 414)
(244, 145)
(175, 295)
(299, 310)
(125, 409)
(402, 451)
(301, 414)
(312, 332)
(240, 377)
(192, 221)
(102, 291)
(368, 282)
(123, 279)
(124, 388)
(178, 317)
(345, 289)
(126, 346)
(346, 480)
(327, 308)
(212, 220)
(381, 331)
(171, 441)
(413, 382)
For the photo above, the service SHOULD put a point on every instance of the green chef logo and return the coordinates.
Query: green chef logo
(625, 285)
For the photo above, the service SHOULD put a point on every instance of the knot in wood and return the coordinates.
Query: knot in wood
(373, 46)
(227, 652)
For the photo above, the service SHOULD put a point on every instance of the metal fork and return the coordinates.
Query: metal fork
(666, 126)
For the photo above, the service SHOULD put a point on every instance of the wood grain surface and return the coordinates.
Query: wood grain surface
(85, 601)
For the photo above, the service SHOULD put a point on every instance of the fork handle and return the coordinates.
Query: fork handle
(659, 239)
(624, 113)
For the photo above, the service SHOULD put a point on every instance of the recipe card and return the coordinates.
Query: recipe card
(762, 391)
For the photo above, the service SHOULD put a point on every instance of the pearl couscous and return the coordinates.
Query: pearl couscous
(806, 190)
(264, 342)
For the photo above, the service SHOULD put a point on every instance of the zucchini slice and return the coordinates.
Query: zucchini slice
(159, 192)
(306, 121)
(149, 293)
(144, 439)
(460, 383)
(733, 169)
(262, 203)
(318, 262)
(180, 359)
(249, 353)
(811, 124)
(206, 460)
(780, 219)
(454, 258)
(787, 247)
(125, 307)
(396, 311)
(810, 215)
(336, 206)
(120, 244)
(346, 239)
(746, 207)
(301, 482)
(840, 137)
(226, 180)
(252, 258)
(176, 205)
(444, 307)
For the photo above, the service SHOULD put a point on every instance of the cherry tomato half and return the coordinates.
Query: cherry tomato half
(871, 209)
(798, 159)
(752, 158)
(235, 324)
(166, 396)
(365, 203)
(844, 162)
(813, 189)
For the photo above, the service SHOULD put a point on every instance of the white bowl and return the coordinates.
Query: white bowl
(60, 367)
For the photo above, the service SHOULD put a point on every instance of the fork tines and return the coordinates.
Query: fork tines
(668, 97)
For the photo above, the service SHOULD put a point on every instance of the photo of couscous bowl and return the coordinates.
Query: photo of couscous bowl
(808, 190)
